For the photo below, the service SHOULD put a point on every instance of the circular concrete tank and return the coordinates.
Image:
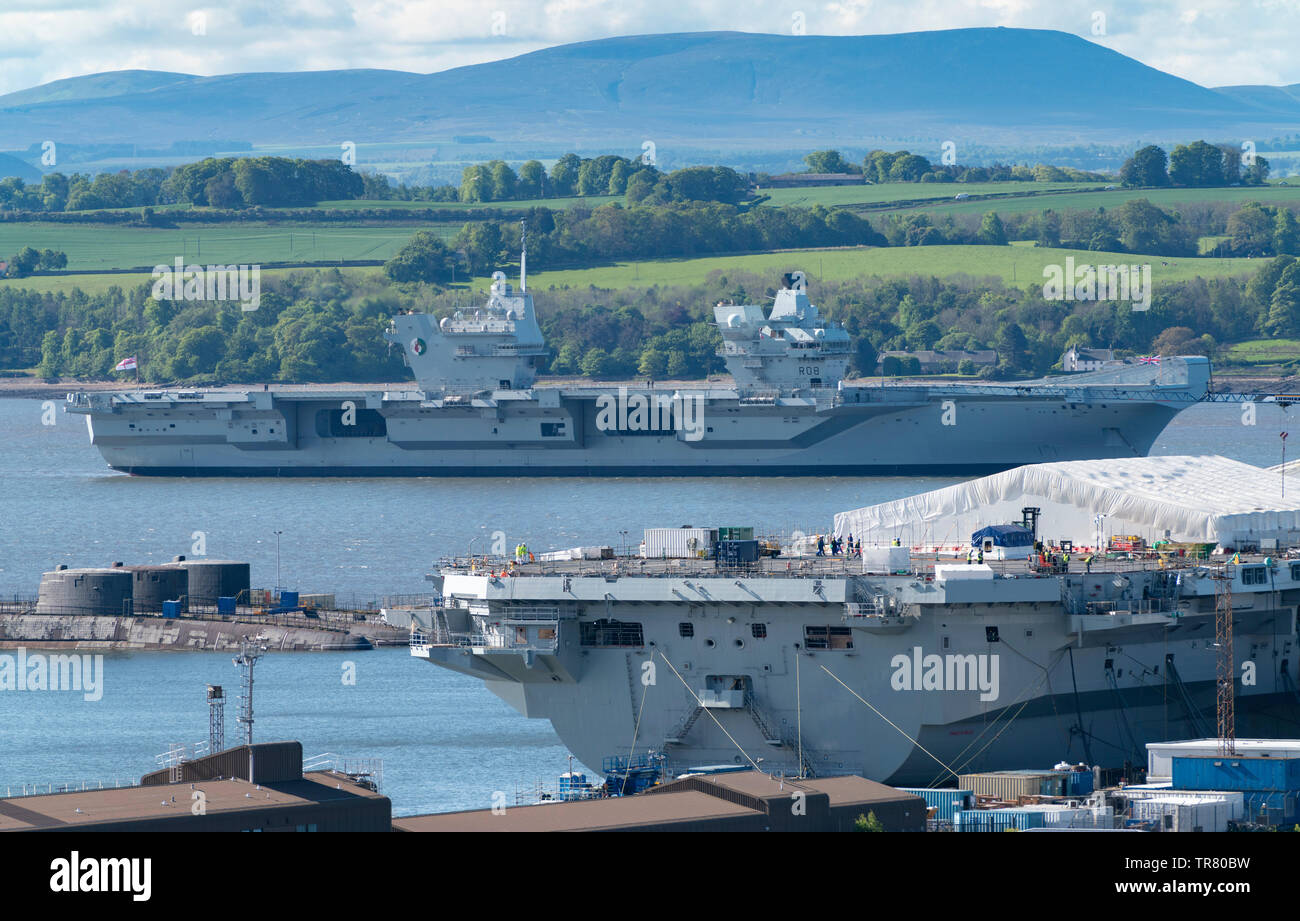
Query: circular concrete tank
(154, 584)
(213, 579)
(85, 591)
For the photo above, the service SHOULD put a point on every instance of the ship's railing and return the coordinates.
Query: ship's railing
(1135, 606)
(766, 568)
(529, 613)
(368, 772)
(880, 606)
(46, 788)
(507, 639)
(417, 600)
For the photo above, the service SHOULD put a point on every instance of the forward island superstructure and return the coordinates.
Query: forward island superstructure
(476, 410)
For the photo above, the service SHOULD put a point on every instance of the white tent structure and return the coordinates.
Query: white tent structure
(1199, 499)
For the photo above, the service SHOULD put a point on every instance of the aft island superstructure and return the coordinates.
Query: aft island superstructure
(476, 410)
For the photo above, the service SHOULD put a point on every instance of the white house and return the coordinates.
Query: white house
(1077, 359)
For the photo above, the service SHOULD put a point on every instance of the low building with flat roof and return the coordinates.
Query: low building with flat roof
(686, 810)
(737, 801)
(279, 798)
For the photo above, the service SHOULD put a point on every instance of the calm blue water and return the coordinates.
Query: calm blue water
(447, 743)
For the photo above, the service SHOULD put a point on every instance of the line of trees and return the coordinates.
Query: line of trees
(1195, 165)
(226, 182)
(882, 166)
(29, 259)
(572, 175)
(326, 326)
(586, 236)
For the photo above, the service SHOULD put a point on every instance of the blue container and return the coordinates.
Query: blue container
(944, 801)
(288, 599)
(574, 786)
(171, 609)
(736, 551)
(996, 819)
(1237, 773)
(1078, 783)
(225, 605)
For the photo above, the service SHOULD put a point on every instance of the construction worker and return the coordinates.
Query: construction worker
(821, 545)
(1087, 563)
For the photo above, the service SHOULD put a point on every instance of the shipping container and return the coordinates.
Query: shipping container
(736, 551)
(1235, 800)
(678, 543)
(943, 801)
(1078, 783)
(1184, 814)
(1236, 773)
(997, 819)
(735, 533)
(1010, 786)
(226, 605)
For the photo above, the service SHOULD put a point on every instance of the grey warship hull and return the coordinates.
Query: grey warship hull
(825, 672)
(477, 412)
(877, 430)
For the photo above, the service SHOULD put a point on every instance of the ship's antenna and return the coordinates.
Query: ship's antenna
(523, 256)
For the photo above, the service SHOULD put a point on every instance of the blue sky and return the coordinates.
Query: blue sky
(1212, 42)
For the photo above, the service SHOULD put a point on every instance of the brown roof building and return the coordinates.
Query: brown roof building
(741, 801)
(278, 798)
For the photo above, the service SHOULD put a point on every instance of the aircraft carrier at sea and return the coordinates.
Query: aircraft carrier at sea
(476, 409)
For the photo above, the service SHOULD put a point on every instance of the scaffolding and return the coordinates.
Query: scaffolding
(216, 719)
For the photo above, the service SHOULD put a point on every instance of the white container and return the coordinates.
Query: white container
(1235, 800)
(1184, 814)
(886, 559)
(677, 543)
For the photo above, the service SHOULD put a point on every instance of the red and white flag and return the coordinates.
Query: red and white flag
(126, 364)
(1150, 360)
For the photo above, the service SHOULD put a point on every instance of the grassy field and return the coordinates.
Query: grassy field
(1019, 265)
(1264, 352)
(555, 204)
(850, 195)
(98, 283)
(91, 247)
(1069, 201)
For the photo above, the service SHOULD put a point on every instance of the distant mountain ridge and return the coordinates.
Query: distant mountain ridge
(724, 90)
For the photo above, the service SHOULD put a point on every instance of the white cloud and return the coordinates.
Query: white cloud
(1212, 42)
